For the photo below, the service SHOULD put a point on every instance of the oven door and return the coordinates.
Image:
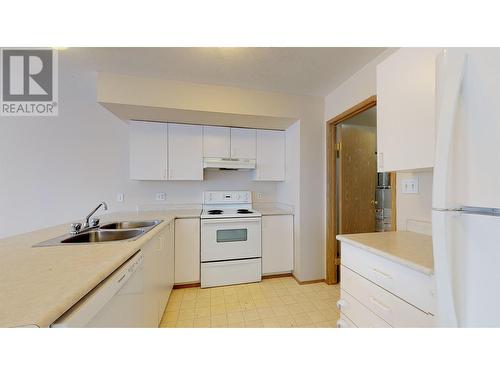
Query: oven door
(226, 239)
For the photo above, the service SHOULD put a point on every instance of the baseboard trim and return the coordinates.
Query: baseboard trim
(308, 281)
(274, 276)
(191, 285)
(288, 274)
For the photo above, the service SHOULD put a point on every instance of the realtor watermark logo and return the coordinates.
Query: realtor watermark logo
(28, 82)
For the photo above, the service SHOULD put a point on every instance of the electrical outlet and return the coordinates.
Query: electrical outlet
(161, 196)
(409, 186)
(120, 197)
(259, 196)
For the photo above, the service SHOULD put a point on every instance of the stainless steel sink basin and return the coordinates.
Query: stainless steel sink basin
(114, 231)
(131, 224)
(103, 236)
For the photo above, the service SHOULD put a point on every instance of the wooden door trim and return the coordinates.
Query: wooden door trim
(332, 260)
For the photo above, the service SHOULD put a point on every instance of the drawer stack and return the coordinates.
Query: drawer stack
(378, 292)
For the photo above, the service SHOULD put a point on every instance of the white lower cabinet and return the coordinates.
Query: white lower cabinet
(187, 251)
(165, 268)
(390, 308)
(378, 292)
(358, 313)
(277, 244)
(158, 275)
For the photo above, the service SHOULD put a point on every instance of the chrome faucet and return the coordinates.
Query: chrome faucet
(94, 223)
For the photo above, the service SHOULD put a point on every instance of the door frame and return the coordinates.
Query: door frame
(332, 259)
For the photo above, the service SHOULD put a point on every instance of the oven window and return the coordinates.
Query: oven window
(231, 235)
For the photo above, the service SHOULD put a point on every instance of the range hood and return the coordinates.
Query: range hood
(228, 163)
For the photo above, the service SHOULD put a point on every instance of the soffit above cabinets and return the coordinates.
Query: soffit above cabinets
(146, 99)
(159, 114)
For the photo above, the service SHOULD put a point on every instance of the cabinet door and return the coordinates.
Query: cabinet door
(406, 83)
(170, 275)
(187, 251)
(216, 142)
(147, 150)
(152, 261)
(270, 156)
(277, 244)
(165, 268)
(243, 143)
(185, 152)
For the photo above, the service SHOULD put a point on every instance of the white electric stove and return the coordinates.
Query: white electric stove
(231, 251)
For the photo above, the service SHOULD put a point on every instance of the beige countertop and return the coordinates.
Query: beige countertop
(411, 249)
(38, 284)
(273, 209)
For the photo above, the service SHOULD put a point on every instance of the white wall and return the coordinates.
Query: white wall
(56, 169)
(414, 206)
(357, 88)
(353, 91)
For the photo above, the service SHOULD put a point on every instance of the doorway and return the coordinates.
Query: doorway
(359, 200)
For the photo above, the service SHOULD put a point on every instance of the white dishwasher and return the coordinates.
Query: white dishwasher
(118, 301)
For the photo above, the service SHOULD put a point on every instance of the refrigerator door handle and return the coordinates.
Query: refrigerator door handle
(450, 80)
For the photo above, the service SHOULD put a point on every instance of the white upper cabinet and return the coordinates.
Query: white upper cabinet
(148, 150)
(406, 83)
(243, 143)
(270, 158)
(216, 142)
(185, 152)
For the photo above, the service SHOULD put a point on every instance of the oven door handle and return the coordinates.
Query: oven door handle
(231, 220)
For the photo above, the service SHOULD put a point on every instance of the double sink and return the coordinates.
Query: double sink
(114, 231)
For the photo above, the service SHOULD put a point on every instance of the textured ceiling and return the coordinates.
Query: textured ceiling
(306, 71)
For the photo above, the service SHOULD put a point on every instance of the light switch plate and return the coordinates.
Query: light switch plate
(120, 197)
(409, 186)
(161, 196)
(259, 196)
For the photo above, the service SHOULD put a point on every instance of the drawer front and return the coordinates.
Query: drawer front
(345, 322)
(359, 314)
(231, 272)
(412, 286)
(392, 309)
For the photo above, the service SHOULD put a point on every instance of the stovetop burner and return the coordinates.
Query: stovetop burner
(244, 211)
(214, 212)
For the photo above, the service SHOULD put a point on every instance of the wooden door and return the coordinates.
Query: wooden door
(358, 179)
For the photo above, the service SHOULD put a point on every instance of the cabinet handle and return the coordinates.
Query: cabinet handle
(379, 304)
(386, 275)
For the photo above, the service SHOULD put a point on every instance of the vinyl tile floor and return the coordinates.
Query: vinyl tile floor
(272, 303)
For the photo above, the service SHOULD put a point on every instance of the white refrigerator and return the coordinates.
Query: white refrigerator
(466, 188)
